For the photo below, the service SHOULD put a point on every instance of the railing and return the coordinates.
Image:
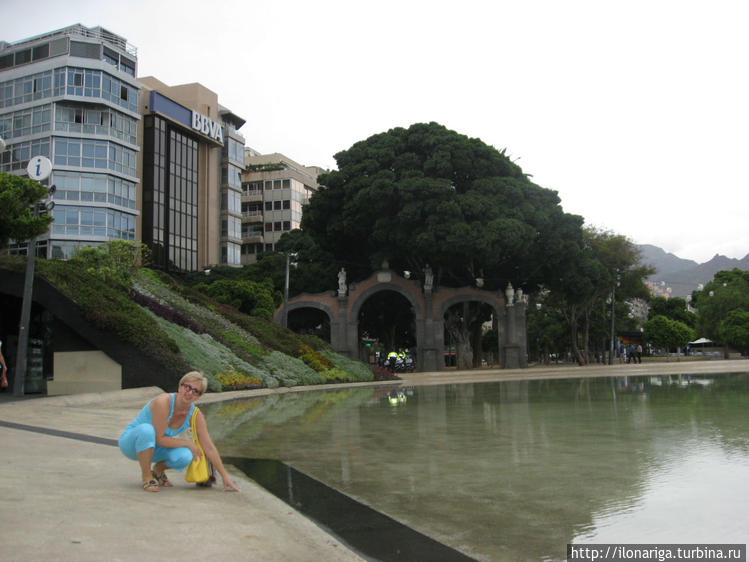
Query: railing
(83, 31)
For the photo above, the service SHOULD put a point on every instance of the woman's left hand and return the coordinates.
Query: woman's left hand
(230, 484)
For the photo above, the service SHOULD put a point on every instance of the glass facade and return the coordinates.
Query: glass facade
(170, 195)
(231, 195)
(85, 120)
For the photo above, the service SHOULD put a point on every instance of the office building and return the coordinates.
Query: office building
(191, 163)
(72, 95)
(274, 188)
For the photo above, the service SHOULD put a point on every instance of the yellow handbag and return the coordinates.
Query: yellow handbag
(198, 469)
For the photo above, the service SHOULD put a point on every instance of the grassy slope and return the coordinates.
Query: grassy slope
(185, 330)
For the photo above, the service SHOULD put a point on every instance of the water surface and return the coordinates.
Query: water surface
(516, 470)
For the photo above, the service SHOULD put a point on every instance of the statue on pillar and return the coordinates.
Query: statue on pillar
(510, 294)
(342, 283)
(428, 279)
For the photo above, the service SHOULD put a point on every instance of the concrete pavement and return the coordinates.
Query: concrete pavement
(73, 496)
(63, 498)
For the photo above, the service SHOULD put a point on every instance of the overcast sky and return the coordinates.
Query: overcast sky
(635, 112)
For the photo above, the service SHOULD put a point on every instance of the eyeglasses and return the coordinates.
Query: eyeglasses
(191, 389)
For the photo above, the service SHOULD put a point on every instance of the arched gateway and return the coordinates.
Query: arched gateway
(429, 306)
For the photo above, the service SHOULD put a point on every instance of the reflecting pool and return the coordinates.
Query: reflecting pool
(516, 470)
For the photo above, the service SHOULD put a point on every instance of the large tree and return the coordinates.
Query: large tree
(727, 292)
(427, 195)
(18, 195)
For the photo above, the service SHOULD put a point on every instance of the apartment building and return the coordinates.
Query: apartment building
(274, 188)
(72, 95)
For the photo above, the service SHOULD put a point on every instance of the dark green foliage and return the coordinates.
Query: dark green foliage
(428, 195)
(668, 334)
(673, 308)
(728, 291)
(108, 307)
(17, 196)
(255, 299)
(734, 330)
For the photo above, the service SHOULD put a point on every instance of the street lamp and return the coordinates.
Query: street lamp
(285, 318)
(613, 316)
(39, 169)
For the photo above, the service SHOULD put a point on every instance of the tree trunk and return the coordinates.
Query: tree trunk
(586, 337)
(573, 337)
(459, 328)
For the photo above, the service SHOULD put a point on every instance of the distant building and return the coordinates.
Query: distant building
(71, 95)
(274, 188)
(658, 289)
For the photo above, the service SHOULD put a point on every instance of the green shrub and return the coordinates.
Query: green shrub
(314, 359)
(356, 370)
(238, 380)
(205, 354)
(335, 375)
(290, 371)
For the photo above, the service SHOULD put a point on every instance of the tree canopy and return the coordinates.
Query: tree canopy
(17, 198)
(427, 195)
(727, 292)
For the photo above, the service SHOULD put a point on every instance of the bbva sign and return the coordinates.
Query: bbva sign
(208, 127)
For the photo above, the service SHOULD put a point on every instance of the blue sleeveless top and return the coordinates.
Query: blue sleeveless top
(144, 416)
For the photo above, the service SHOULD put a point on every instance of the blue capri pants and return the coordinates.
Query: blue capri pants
(141, 437)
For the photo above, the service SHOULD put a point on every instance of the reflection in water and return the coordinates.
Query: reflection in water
(516, 470)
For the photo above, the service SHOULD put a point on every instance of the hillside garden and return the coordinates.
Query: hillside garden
(183, 329)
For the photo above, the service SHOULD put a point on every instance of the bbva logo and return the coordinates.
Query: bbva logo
(207, 127)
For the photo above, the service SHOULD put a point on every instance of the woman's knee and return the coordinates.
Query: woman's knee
(179, 458)
(137, 439)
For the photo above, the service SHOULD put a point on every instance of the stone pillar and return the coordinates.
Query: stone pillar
(513, 345)
(432, 348)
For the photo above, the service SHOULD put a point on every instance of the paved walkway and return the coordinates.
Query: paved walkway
(67, 493)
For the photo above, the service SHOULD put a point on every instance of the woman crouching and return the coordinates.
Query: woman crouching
(151, 436)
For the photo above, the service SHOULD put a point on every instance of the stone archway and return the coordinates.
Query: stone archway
(429, 305)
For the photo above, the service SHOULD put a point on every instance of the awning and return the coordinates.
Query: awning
(699, 341)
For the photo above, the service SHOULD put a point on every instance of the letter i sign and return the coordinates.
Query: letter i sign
(39, 168)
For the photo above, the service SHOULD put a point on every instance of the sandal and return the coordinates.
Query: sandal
(151, 486)
(162, 480)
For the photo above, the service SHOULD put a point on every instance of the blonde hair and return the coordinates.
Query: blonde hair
(198, 377)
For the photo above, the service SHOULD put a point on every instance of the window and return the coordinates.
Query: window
(22, 57)
(40, 52)
(85, 50)
(110, 56)
(127, 66)
(16, 156)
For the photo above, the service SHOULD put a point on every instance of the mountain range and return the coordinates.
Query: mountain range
(681, 275)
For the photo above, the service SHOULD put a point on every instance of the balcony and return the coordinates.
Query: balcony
(252, 216)
(252, 238)
(250, 195)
